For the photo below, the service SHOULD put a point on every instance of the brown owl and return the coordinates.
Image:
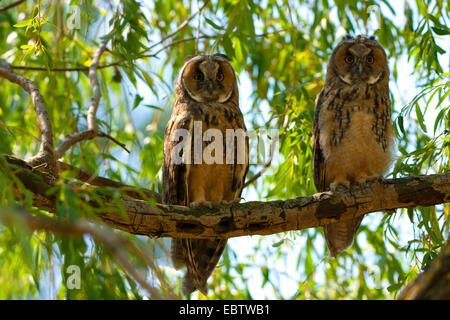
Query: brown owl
(352, 130)
(213, 165)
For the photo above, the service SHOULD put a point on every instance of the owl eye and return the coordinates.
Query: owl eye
(220, 76)
(349, 59)
(198, 76)
(370, 59)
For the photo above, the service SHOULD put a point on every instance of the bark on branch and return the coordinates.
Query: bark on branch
(252, 218)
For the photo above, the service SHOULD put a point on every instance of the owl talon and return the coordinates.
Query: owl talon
(364, 180)
(375, 177)
(381, 180)
(229, 202)
(203, 203)
(344, 183)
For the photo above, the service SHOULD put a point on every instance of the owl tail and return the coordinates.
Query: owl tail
(340, 235)
(200, 258)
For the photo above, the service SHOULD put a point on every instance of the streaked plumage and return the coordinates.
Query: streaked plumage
(352, 131)
(206, 91)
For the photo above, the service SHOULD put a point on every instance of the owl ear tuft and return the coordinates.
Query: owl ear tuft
(372, 38)
(222, 55)
(186, 59)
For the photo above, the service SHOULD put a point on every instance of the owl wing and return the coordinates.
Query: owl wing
(198, 255)
(201, 256)
(339, 235)
(318, 158)
(240, 170)
(175, 175)
(175, 178)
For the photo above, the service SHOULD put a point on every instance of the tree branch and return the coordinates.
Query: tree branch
(434, 282)
(254, 218)
(12, 5)
(95, 100)
(92, 131)
(81, 136)
(46, 151)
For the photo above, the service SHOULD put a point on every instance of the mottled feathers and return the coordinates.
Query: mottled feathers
(352, 130)
(206, 97)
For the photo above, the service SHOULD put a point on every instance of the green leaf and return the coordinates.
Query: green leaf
(410, 212)
(148, 79)
(420, 117)
(23, 23)
(400, 124)
(228, 46)
(43, 21)
(439, 118)
(278, 243)
(212, 24)
(394, 287)
(137, 101)
(153, 107)
(440, 31)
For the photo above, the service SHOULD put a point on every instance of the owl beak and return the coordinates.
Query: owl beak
(360, 69)
(210, 87)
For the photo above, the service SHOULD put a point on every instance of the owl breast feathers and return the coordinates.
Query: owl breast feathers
(352, 131)
(214, 157)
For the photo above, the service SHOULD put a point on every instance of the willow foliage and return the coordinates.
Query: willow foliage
(279, 49)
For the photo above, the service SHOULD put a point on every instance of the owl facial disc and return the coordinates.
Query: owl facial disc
(208, 78)
(359, 61)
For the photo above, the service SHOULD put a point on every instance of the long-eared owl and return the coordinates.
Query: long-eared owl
(352, 131)
(210, 169)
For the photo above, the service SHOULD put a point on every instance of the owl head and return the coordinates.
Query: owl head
(357, 61)
(208, 78)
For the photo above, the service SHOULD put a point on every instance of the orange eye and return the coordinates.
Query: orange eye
(198, 76)
(349, 59)
(220, 76)
(370, 59)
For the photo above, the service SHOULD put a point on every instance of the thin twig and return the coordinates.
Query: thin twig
(92, 112)
(20, 130)
(104, 135)
(182, 25)
(266, 165)
(184, 40)
(198, 31)
(125, 242)
(92, 131)
(117, 63)
(81, 136)
(12, 5)
(113, 64)
(94, 180)
(259, 174)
